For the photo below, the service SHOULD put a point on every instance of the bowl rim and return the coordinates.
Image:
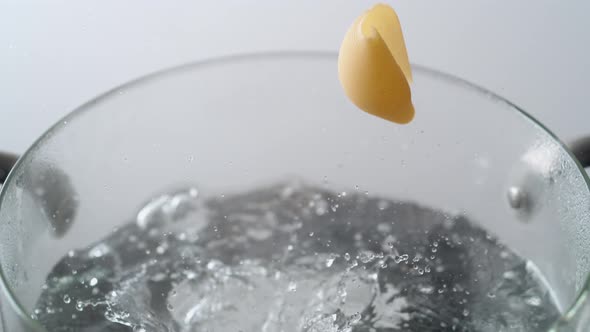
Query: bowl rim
(35, 326)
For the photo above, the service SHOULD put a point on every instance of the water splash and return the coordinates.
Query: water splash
(247, 262)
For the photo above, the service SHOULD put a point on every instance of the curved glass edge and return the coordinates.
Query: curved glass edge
(137, 82)
(582, 301)
(578, 316)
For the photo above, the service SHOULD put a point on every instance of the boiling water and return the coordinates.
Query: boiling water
(294, 258)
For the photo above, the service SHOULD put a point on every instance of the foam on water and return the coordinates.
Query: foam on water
(294, 258)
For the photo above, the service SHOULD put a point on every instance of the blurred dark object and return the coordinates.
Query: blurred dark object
(581, 150)
(7, 161)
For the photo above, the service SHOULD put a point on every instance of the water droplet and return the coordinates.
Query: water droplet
(67, 299)
(534, 301)
(292, 287)
(355, 318)
(169, 306)
(160, 250)
(465, 312)
(311, 234)
(167, 208)
(331, 259)
(382, 205)
(93, 282)
(516, 197)
(491, 295)
(366, 256)
(427, 289)
(347, 256)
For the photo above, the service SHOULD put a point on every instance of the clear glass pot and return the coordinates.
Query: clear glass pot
(231, 124)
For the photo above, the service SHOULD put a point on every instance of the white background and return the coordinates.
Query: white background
(54, 55)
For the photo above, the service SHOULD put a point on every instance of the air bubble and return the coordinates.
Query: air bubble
(79, 306)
